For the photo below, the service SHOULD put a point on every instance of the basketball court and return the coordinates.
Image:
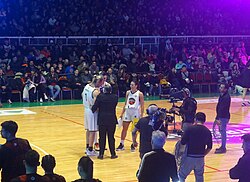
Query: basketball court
(57, 129)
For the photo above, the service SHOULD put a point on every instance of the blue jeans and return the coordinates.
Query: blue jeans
(190, 163)
(52, 93)
(153, 90)
(223, 131)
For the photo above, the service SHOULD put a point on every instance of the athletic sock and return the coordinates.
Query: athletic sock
(122, 142)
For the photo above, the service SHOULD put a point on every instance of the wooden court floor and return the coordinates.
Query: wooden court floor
(59, 130)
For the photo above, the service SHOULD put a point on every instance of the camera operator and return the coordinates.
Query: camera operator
(187, 110)
(146, 125)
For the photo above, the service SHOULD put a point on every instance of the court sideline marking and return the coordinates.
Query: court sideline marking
(43, 151)
(216, 170)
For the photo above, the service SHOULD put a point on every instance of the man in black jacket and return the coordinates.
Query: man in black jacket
(187, 110)
(241, 170)
(146, 127)
(106, 103)
(223, 116)
(158, 165)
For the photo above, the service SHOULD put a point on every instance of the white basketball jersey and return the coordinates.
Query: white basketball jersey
(133, 100)
(87, 96)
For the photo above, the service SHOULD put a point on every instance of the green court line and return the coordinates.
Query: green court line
(72, 102)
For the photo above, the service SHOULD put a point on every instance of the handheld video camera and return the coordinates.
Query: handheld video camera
(160, 118)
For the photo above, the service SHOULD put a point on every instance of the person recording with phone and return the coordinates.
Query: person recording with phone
(146, 126)
(187, 110)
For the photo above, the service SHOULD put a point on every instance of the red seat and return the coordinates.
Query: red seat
(66, 89)
(209, 81)
(199, 77)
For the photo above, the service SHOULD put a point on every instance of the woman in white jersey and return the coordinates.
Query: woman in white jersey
(132, 111)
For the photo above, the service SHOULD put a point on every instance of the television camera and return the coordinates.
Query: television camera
(161, 118)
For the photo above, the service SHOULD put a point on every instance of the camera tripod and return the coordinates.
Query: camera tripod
(175, 132)
(174, 121)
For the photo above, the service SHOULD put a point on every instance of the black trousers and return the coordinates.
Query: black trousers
(110, 132)
(41, 88)
(8, 91)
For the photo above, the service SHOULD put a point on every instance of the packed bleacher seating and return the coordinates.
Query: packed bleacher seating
(126, 17)
(57, 67)
(54, 69)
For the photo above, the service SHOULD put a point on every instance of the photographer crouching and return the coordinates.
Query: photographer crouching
(156, 120)
(187, 110)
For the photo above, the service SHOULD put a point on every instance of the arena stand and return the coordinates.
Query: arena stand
(209, 59)
(125, 17)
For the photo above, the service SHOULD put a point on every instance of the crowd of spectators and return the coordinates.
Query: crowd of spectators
(48, 69)
(18, 162)
(126, 17)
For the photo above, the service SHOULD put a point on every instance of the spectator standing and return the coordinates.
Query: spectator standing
(198, 140)
(223, 115)
(158, 165)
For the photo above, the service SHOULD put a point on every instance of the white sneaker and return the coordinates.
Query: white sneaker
(45, 97)
(9, 101)
(92, 153)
